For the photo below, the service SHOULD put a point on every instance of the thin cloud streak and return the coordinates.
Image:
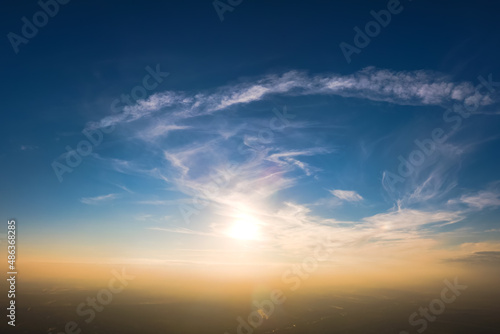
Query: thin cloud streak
(346, 195)
(404, 88)
(98, 199)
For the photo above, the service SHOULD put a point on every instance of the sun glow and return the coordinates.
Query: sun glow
(245, 228)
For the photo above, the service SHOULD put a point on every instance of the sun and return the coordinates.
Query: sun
(244, 229)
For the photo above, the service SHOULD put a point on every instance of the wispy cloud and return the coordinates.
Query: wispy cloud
(404, 87)
(28, 147)
(183, 231)
(228, 170)
(288, 158)
(482, 199)
(98, 199)
(346, 195)
(144, 217)
(164, 202)
(406, 218)
(479, 200)
(484, 257)
(160, 130)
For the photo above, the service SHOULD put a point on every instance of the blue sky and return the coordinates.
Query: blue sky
(262, 112)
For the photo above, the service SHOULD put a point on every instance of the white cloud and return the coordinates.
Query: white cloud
(482, 199)
(288, 158)
(404, 87)
(346, 195)
(406, 218)
(160, 130)
(98, 199)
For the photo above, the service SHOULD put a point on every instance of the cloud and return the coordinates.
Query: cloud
(481, 200)
(124, 188)
(288, 158)
(165, 202)
(160, 130)
(144, 217)
(131, 168)
(403, 87)
(184, 231)
(229, 170)
(473, 201)
(430, 182)
(28, 147)
(346, 195)
(483, 257)
(98, 199)
(408, 218)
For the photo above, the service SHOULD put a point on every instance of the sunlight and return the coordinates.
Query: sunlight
(245, 228)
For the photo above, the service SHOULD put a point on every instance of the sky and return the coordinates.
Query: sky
(191, 134)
